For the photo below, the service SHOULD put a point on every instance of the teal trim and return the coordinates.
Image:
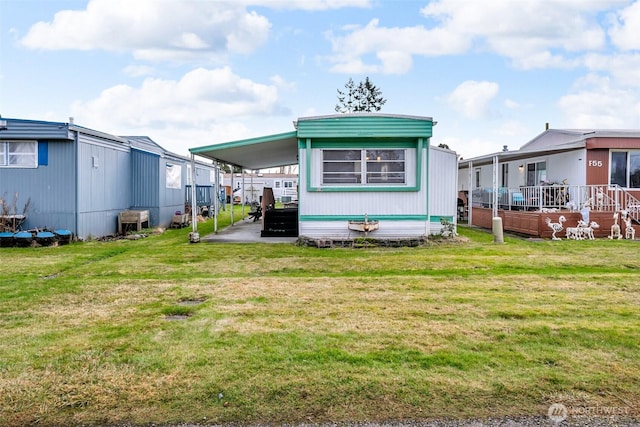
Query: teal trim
(418, 145)
(418, 217)
(307, 146)
(437, 218)
(364, 189)
(351, 143)
(365, 126)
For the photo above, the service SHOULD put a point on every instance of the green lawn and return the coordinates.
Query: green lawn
(159, 330)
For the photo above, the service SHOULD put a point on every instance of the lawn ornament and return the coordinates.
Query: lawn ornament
(599, 199)
(577, 232)
(556, 226)
(572, 206)
(629, 232)
(615, 228)
(587, 232)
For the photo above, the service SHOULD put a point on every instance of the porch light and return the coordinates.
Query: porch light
(521, 168)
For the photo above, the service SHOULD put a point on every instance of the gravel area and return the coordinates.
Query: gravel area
(579, 421)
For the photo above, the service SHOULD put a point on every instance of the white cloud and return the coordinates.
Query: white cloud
(530, 33)
(596, 102)
(624, 33)
(524, 29)
(472, 98)
(138, 70)
(624, 68)
(281, 83)
(201, 99)
(153, 30)
(393, 47)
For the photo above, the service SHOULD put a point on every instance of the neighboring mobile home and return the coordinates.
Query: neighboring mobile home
(557, 170)
(252, 185)
(80, 179)
(357, 168)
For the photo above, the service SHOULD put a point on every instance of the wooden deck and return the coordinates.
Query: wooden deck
(534, 223)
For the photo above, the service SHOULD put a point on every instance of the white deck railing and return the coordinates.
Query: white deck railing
(572, 197)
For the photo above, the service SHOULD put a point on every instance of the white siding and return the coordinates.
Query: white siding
(443, 193)
(409, 206)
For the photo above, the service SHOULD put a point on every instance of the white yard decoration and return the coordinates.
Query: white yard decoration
(577, 232)
(587, 232)
(556, 226)
(615, 228)
(629, 232)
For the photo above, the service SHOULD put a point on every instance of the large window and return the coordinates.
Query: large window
(19, 154)
(625, 168)
(364, 166)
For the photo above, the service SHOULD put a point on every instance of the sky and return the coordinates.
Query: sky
(191, 73)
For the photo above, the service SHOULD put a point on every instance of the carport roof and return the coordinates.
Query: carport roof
(255, 153)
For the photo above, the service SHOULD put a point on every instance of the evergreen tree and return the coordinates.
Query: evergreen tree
(365, 97)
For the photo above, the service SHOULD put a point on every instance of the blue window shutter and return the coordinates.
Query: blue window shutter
(43, 153)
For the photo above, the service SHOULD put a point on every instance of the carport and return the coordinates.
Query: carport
(264, 152)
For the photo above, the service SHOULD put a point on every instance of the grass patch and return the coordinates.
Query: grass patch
(283, 334)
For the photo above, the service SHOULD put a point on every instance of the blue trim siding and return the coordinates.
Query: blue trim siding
(43, 153)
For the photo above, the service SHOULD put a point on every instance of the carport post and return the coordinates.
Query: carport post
(216, 201)
(194, 236)
(232, 194)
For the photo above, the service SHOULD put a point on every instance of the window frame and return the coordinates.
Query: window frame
(535, 176)
(363, 174)
(7, 153)
(632, 180)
